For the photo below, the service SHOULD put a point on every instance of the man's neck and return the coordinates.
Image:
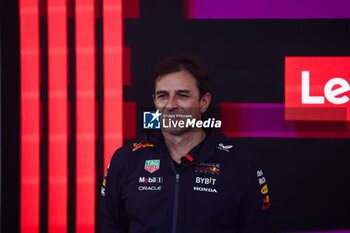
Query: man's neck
(180, 145)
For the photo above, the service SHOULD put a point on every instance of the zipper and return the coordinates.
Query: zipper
(176, 200)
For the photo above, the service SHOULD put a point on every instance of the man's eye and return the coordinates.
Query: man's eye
(161, 96)
(183, 96)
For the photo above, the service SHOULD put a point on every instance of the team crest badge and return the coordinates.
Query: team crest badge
(152, 165)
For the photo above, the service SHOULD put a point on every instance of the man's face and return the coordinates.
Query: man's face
(177, 94)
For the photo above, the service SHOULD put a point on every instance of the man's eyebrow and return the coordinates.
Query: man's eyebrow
(183, 91)
(177, 91)
(161, 92)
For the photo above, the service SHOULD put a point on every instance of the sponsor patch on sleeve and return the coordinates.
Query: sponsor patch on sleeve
(137, 146)
(103, 187)
(264, 190)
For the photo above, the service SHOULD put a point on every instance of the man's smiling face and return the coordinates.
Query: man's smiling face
(177, 93)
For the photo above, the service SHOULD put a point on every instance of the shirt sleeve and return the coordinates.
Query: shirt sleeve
(255, 211)
(113, 214)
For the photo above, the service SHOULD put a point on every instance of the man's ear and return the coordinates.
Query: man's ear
(204, 102)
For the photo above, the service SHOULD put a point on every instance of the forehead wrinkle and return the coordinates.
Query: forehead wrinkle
(176, 83)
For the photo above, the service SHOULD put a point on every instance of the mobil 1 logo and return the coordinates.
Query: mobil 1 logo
(150, 180)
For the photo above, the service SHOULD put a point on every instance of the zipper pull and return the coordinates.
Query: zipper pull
(177, 177)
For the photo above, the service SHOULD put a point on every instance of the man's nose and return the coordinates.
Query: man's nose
(172, 103)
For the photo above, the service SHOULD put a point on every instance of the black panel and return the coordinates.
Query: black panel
(10, 118)
(309, 178)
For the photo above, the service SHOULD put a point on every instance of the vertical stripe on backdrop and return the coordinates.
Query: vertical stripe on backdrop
(112, 77)
(85, 115)
(30, 110)
(57, 116)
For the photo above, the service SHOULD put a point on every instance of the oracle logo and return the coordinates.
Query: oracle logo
(331, 94)
(317, 88)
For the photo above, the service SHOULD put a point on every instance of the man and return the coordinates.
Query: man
(183, 179)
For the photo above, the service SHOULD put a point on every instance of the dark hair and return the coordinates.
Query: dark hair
(188, 63)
